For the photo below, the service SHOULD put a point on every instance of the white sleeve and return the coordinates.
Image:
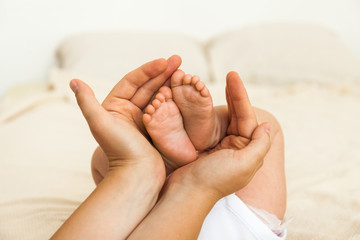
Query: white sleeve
(231, 219)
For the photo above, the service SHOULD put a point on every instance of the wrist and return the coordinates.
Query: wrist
(181, 205)
(148, 178)
(180, 182)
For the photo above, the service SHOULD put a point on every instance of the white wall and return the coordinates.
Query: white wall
(31, 30)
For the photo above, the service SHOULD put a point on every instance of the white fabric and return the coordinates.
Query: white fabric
(231, 219)
(268, 53)
(110, 55)
(276, 225)
(283, 53)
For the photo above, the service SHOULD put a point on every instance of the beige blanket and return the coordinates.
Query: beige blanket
(45, 150)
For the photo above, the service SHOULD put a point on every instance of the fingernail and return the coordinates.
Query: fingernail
(267, 128)
(73, 85)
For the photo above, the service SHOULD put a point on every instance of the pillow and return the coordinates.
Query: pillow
(110, 55)
(283, 53)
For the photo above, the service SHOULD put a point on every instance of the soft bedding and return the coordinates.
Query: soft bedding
(45, 154)
(45, 149)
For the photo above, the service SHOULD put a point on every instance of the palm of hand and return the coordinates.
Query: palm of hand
(125, 110)
(218, 165)
(121, 130)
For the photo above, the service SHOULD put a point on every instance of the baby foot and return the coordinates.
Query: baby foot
(164, 124)
(196, 106)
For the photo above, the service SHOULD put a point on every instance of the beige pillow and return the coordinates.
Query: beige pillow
(283, 53)
(110, 55)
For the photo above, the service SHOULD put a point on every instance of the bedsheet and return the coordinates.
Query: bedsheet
(45, 151)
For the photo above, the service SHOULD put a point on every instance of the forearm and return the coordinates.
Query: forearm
(113, 209)
(179, 214)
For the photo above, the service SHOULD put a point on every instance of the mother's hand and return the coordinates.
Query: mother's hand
(233, 162)
(136, 171)
(117, 123)
(192, 190)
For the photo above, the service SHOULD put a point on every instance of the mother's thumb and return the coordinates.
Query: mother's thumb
(259, 145)
(86, 100)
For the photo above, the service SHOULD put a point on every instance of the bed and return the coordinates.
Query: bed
(301, 73)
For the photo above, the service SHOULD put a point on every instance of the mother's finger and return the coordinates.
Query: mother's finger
(93, 112)
(232, 128)
(86, 100)
(242, 113)
(127, 87)
(257, 149)
(144, 94)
